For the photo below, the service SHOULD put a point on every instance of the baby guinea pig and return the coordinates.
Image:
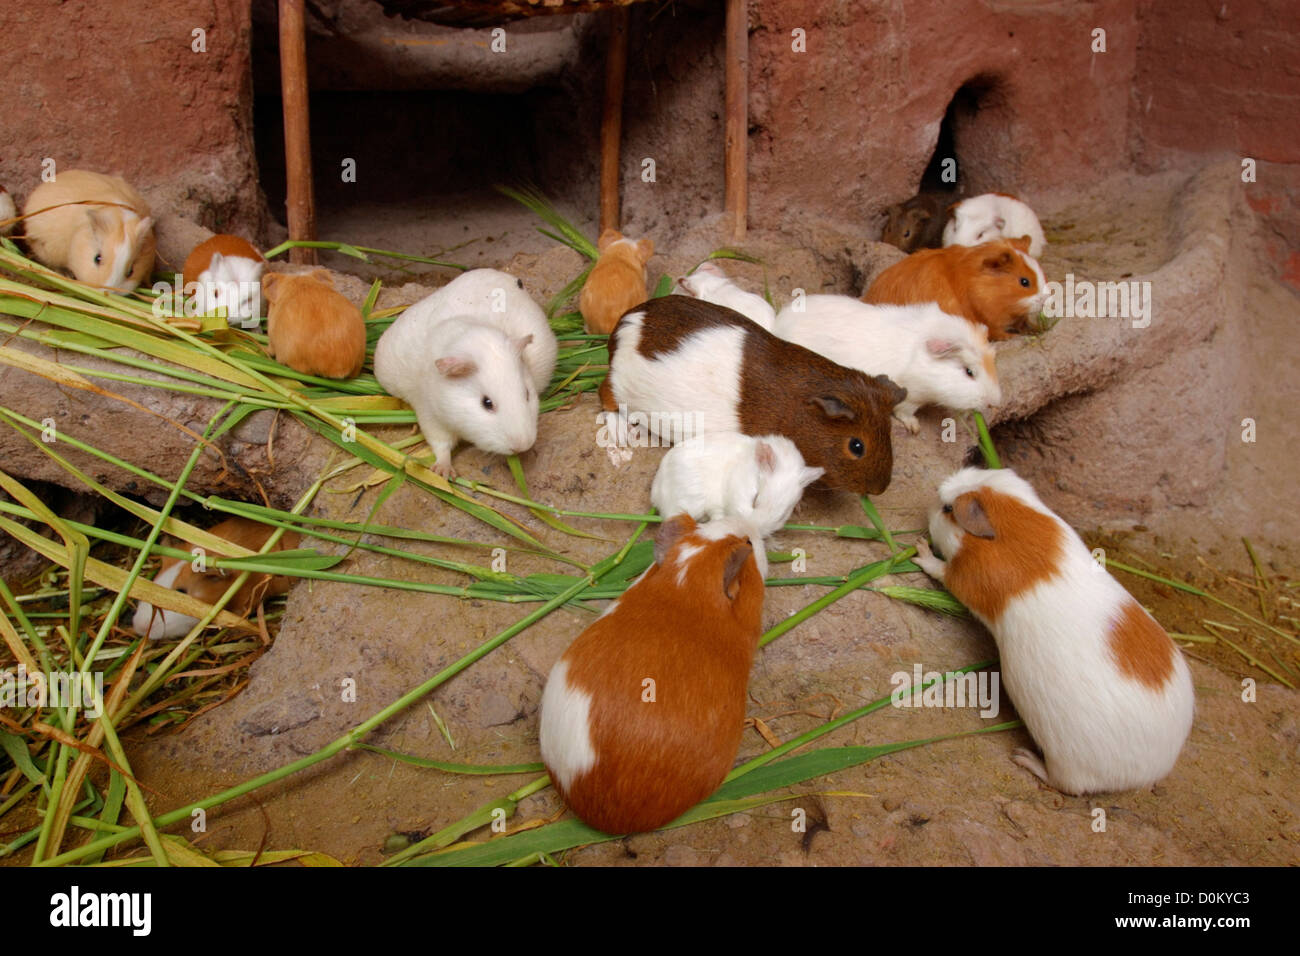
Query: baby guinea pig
(472, 360)
(616, 282)
(993, 216)
(1103, 690)
(226, 271)
(710, 283)
(642, 717)
(207, 586)
(106, 240)
(917, 223)
(727, 473)
(996, 284)
(940, 359)
(690, 367)
(312, 328)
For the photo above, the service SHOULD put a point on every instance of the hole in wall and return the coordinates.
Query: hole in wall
(976, 132)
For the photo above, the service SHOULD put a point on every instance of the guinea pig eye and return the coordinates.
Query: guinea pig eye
(487, 403)
(1024, 282)
(947, 509)
(856, 448)
(970, 373)
(98, 258)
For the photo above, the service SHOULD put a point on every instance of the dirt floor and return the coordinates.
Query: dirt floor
(1232, 798)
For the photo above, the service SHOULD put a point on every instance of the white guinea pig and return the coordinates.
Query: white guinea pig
(7, 211)
(472, 359)
(1103, 690)
(710, 283)
(993, 216)
(940, 359)
(723, 474)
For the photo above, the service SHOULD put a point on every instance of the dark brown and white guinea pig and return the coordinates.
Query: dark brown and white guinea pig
(1103, 690)
(208, 585)
(917, 223)
(616, 282)
(642, 717)
(95, 226)
(311, 327)
(997, 284)
(690, 367)
(226, 271)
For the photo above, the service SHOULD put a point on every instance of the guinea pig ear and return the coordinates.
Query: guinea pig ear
(608, 238)
(999, 223)
(321, 275)
(215, 261)
(741, 553)
(521, 342)
(645, 248)
(269, 279)
(670, 532)
(971, 516)
(833, 408)
(919, 215)
(998, 262)
(455, 366)
(101, 219)
(1021, 243)
(809, 475)
(765, 457)
(940, 348)
(896, 392)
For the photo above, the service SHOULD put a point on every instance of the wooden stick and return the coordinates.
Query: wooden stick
(611, 120)
(737, 137)
(299, 203)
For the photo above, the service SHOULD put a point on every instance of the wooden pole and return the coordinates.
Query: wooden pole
(299, 203)
(737, 133)
(611, 121)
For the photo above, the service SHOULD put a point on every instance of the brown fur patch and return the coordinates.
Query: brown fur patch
(197, 262)
(211, 584)
(1141, 647)
(655, 760)
(963, 282)
(1025, 550)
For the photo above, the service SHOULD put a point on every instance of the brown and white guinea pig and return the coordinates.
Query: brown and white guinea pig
(616, 282)
(917, 223)
(106, 241)
(311, 327)
(689, 367)
(207, 586)
(1103, 690)
(642, 717)
(8, 211)
(997, 284)
(226, 271)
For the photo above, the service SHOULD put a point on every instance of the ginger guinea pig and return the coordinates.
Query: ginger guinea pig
(688, 367)
(616, 282)
(106, 240)
(642, 717)
(207, 586)
(997, 284)
(1103, 690)
(311, 327)
(226, 271)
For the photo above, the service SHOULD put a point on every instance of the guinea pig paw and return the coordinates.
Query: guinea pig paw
(926, 561)
(912, 424)
(1023, 757)
(443, 468)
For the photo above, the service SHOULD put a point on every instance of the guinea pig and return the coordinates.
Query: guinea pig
(642, 717)
(616, 282)
(710, 283)
(207, 586)
(1102, 689)
(917, 223)
(940, 359)
(312, 328)
(730, 474)
(472, 359)
(690, 367)
(993, 216)
(226, 271)
(8, 211)
(106, 240)
(997, 284)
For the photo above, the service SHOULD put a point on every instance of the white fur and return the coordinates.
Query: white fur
(903, 342)
(7, 211)
(1099, 729)
(699, 381)
(231, 281)
(712, 476)
(460, 321)
(710, 283)
(565, 732)
(990, 216)
(741, 527)
(1033, 304)
(157, 623)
